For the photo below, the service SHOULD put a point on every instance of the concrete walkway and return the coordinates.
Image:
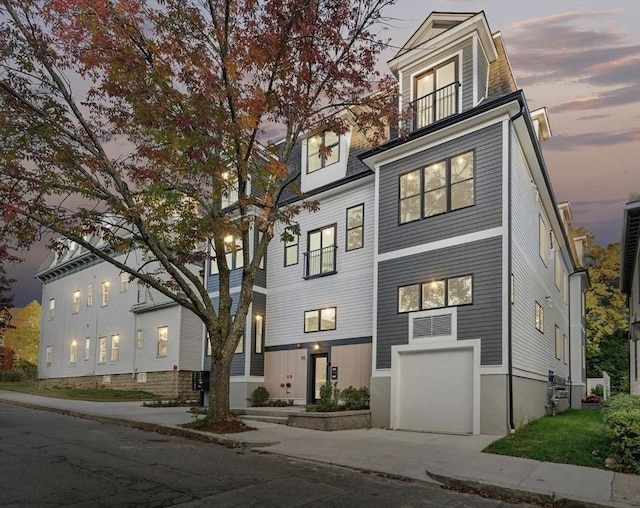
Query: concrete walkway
(453, 461)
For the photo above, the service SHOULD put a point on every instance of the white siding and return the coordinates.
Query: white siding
(191, 341)
(533, 352)
(147, 359)
(634, 316)
(350, 290)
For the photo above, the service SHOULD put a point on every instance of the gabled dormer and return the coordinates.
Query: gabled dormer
(443, 69)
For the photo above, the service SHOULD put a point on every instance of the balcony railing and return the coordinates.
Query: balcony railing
(435, 106)
(320, 262)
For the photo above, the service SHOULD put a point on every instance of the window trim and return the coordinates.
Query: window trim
(332, 147)
(87, 348)
(558, 343)
(258, 334)
(124, 282)
(348, 229)
(89, 295)
(105, 293)
(321, 273)
(139, 339)
(115, 348)
(160, 340)
(76, 302)
(565, 349)
(447, 186)
(52, 308)
(49, 355)
(543, 240)
(319, 314)
(446, 294)
(102, 349)
(288, 245)
(539, 317)
(234, 265)
(73, 352)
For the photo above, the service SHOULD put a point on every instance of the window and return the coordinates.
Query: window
(233, 253)
(512, 297)
(321, 252)
(565, 287)
(87, 349)
(291, 247)
(52, 308)
(436, 294)
(124, 281)
(163, 341)
(76, 302)
(230, 192)
(259, 333)
(435, 94)
(322, 150)
(557, 270)
(355, 227)
(543, 240)
(142, 293)
(73, 352)
(443, 186)
(558, 344)
(115, 348)
(565, 349)
(539, 318)
(261, 265)
(89, 295)
(102, 350)
(320, 320)
(105, 293)
(139, 339)
(49, 354)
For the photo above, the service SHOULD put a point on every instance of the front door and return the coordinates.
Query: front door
(319, 367)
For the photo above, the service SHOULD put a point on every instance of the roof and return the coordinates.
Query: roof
(630, 238)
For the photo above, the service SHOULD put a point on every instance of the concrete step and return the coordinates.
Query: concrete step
(282, 420)
(267, 411)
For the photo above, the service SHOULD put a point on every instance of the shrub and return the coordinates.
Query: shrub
(622, 427)
(10, 376)
(259, 396)
(329, 397)
(597, 390)
(355, 398)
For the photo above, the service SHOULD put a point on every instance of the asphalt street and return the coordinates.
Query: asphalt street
(52, 460)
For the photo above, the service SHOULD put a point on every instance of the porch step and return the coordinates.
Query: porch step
(282, 420)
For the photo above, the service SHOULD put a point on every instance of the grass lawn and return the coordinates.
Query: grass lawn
(572, 437)
(104, 394)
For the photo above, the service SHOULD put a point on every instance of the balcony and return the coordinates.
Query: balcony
(434, 106)
(320, 262)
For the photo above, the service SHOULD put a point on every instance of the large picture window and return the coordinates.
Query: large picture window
(320, 320)
(436, 294)
(322, 150)
(442, 187)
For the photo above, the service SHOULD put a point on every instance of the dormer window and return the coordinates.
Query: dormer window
(322, 150)
(435, 93)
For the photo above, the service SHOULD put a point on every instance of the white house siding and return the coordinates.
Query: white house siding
(350, 290)
(578, 337)
(533, 352)
(147, 359)
(90, 322)
(634, 316)
(191, 341)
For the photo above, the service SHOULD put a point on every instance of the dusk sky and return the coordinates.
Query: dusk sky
(580, 59)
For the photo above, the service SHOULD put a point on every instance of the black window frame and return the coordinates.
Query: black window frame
(323, 158)
(348, 229)
(307, 262)
(297, 248)
(319, 313)
(446, 305)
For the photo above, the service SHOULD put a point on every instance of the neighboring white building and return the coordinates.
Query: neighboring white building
(100, 329)
(630, 283)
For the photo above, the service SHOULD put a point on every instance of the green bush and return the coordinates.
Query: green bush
(597, 390)
(10, 376)
(259, 396)
(354, 398)
(329, 397)
(621, 417)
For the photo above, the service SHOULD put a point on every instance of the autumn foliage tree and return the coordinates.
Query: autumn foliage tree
(146, 114)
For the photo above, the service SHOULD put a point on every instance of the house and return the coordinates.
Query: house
(440, 271)
(630, 283)
(100, 329)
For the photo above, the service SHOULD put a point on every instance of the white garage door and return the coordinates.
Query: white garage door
(435, 390)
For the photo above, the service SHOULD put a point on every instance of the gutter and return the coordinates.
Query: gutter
(512, 426)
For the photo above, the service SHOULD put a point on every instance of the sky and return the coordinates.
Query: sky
(580, 59)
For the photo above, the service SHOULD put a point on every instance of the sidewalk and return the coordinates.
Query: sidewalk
(453, 461)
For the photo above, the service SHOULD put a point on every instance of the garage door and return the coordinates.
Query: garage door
(434, 390)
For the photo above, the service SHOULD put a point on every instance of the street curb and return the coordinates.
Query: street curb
(509, 493)
(169, 430)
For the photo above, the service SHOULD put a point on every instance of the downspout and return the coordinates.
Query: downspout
(512, 426)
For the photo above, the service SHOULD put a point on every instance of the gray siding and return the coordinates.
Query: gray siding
(257, 359)
(213, 281)
(482, 319)
(486, 213)
(190, 341)
(467, 78)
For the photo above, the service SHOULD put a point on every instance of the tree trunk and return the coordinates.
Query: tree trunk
(219, 390)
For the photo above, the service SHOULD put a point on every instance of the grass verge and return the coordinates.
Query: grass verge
(102, 394)
(572, 437)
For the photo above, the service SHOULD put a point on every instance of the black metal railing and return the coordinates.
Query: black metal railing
(435, 106)
(320, 262)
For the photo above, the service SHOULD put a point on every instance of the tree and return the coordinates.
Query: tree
(606, 314)
(24, 337)
(134, 119)
(6, 302)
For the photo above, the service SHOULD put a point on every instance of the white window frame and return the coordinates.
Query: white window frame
(162, 350)
(539, 317)
(87, 348)
(52, 308)
(565, 349)
(543, 240)
(76, 301)
(115, 348)
(558, 343)
(73, 352)
(124, 282)
(49, 355)
(105, 293)
(259, 327)
(139, 339)
(102, 350)
(89, 295)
